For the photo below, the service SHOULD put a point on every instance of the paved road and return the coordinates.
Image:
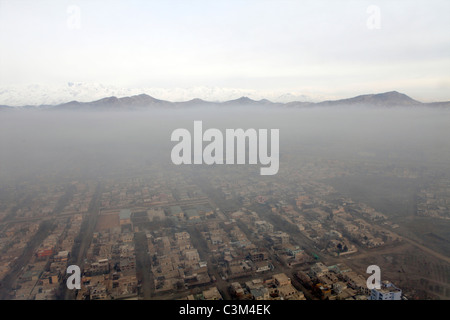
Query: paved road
(428, 250)
(86, 232)
(8, 281)
(143, 265)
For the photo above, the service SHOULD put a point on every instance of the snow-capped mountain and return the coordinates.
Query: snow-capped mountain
(39, 94)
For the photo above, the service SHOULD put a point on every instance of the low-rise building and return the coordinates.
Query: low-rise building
(212, 294)
(388, 291)
(281, 279)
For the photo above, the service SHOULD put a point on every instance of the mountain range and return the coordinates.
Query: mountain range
(144, 101)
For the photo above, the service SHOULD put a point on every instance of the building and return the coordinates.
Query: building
(204, 210)
(254, 284)
(288, 292)
(176, 211)
(257, 255)
(388, 291)
(263, 226)
(125, 220)
(324, 291)
(192, 214)
(281, 279)
(62, 256)
(191, 255)
(125, 216)
(357, 282)
(99, 267)
(318, 269)
(262, 266)
(292, 250)
(236, 289)
(260, 294)
(280, 237)
(212, 294)
(182, 236)
(98, 292)
(153, 214)
(44, 253)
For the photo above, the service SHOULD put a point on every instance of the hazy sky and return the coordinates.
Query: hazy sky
(324, 47)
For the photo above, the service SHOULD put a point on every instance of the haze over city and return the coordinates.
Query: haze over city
(248, 151)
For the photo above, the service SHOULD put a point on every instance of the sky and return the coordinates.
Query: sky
(326, 49)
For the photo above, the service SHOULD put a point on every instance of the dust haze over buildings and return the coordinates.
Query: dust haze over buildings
(388, 159)
(90, 142)
(362, 181)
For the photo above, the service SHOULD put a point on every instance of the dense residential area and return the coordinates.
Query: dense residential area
(206, 235)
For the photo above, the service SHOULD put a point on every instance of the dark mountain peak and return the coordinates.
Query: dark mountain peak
(73, 102)
(105, 102)
(69, 105)
(388, 99)
(112, 99)
(395, 97)
(143, 95)
(245, 99)
(193, 101)
(393, 93)
(241, 101)
(142, 101)
(197, 100)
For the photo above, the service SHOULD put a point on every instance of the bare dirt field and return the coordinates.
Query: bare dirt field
(107, 221)
(420, 265)
(419, 274)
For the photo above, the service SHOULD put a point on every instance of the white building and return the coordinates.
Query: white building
(387, 292)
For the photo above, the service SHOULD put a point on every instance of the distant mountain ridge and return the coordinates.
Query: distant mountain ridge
(142, 101)
(392, 97)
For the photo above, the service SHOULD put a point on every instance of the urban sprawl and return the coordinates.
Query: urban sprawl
(201, 234)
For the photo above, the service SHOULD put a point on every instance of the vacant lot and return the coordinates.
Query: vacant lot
(419, 274)
(107, 221)
(390, 195)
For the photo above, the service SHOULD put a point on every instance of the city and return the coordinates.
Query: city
(250, 153)
(214, 233)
